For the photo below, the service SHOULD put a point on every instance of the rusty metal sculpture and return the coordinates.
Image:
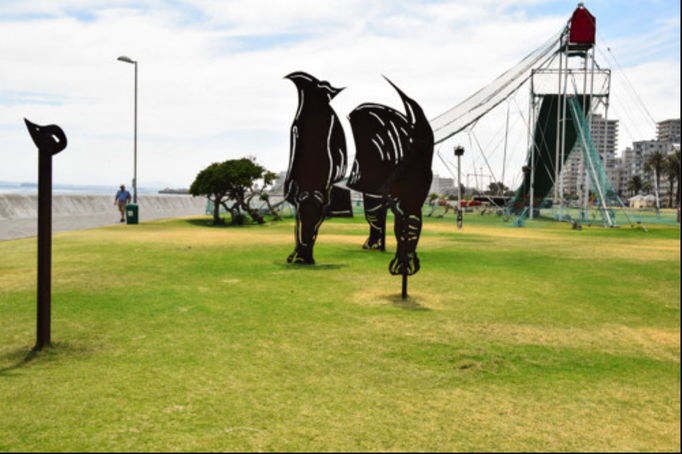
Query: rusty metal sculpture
(50, 140)
(393, 161)
(317, 160)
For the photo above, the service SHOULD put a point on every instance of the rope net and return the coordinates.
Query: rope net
(473, 108)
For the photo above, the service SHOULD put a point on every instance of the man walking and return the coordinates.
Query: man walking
(122, 198)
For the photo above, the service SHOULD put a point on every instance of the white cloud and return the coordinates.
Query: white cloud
(211, 73)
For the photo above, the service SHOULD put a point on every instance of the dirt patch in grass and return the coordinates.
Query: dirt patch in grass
(487, 231)
(659, 344)
(15, 280)
(416, 300)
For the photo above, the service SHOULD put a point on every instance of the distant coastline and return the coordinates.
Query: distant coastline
(8, 187)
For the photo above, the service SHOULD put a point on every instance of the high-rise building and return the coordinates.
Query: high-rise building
(640, 154)
(605, 137)
(668, 131)
(440, 185)
(634, 159)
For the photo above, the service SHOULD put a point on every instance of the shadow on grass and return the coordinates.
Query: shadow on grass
(316, 267)
(208, 222)
(359, 249)
(23, 357)
(409, 304)
(20, 358)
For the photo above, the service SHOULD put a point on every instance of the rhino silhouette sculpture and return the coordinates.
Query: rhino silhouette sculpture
(392, 167)
(317, 160)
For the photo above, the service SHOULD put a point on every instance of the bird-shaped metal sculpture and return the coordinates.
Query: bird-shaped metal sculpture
(317, 160)
(393, 159)
(50, 140)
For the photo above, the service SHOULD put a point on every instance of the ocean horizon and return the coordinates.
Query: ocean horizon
(69, 189)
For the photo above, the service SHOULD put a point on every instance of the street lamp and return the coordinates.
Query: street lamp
(129, 60)
(459, 151)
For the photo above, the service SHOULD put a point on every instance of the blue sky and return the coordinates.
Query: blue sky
(211, 72)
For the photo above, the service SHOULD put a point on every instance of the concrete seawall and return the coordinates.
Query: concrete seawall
(19, 212)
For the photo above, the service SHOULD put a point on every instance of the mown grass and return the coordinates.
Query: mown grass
(178, 336)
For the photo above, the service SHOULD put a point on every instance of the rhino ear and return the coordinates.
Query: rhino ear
(49, 138)
(331, 90)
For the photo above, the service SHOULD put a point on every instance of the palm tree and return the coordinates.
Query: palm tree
(656, 162)
(670, 171)
(672, 168)
(635, 185)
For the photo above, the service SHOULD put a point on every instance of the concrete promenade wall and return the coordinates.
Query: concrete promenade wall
(19, 212)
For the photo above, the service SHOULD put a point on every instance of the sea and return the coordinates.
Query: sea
(68, 189)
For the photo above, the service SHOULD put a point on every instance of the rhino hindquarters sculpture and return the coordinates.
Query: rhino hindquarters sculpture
(317, 160)
(393, 160)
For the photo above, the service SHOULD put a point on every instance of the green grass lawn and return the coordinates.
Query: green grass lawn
(178, 336)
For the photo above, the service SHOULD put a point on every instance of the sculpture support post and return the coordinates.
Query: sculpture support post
(404, 286)
(44, 249)
(50, 140)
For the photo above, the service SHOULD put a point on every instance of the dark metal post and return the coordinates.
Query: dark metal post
(44, 249)
(404, 286)
(459, 151)
(50, 140)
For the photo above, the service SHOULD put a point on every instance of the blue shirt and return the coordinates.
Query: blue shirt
(123, 196)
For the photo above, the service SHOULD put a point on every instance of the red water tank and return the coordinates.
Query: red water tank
(583, 27)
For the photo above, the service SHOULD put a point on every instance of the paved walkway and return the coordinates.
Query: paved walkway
(22, 228)
(27, 225)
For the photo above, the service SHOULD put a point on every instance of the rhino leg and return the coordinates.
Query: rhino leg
(309, 217)
(408, 226)
(375, 215)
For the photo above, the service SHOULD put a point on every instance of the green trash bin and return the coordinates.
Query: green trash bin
(132, 214)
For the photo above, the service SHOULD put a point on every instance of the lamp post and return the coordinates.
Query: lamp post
(129, 60)
(459, 151)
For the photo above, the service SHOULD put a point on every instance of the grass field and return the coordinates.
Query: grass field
(177, 336)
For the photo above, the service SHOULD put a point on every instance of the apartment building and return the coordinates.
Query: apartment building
(605, 137)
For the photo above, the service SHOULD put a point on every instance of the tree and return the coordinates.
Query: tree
(228, 181)
(432, 202)
(672, 169)
(655, 162)
(635, 185)
(210, 182)
(268, 179)
(497, 188)
(670, 172)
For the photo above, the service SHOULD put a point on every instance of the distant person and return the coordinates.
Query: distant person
(122, 198)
